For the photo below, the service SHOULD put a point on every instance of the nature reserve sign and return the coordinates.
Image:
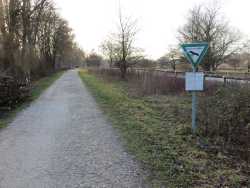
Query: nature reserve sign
(194, 52)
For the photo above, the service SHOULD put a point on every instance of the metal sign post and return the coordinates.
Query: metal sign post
(194, 107)
(195, 53)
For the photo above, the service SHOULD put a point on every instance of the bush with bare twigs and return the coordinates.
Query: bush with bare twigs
(224, 119)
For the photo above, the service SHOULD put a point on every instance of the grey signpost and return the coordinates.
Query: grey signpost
(195, 53)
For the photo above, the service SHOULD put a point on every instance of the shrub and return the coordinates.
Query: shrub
(224, 119)
(11, 92)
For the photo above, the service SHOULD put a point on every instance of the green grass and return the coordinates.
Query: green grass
(157, 131)
(37, 89)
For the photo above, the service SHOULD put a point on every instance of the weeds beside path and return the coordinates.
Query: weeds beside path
(37, 89)
(157, 131)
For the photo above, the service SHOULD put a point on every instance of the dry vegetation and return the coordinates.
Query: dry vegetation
(34, 42)
(153, 114)
(225, 121)
(145, 82)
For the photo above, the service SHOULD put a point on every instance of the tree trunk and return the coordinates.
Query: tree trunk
(123, 69)
(248, 66)
(110, 62)
(2, 20)
(174, 66)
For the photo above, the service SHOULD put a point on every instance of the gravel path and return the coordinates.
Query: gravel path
(63, 141)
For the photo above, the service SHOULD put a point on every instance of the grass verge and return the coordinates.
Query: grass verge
(37, 89)
(157, 131)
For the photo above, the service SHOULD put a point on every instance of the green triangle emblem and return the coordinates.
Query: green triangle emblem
(195, 52)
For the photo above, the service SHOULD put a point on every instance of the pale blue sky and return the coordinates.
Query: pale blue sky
(158, 20)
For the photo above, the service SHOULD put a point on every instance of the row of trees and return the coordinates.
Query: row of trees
(34, 39)
(204, 24)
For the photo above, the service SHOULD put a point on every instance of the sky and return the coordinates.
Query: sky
(157, 20)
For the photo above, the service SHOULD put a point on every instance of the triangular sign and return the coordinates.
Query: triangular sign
(195, 52)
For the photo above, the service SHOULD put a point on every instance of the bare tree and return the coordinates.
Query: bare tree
(173, 56)
(124, 40)
(108, 48)
(2, 33)
(2, 19)
(32, 35)
(204, 24)
(33, 40)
